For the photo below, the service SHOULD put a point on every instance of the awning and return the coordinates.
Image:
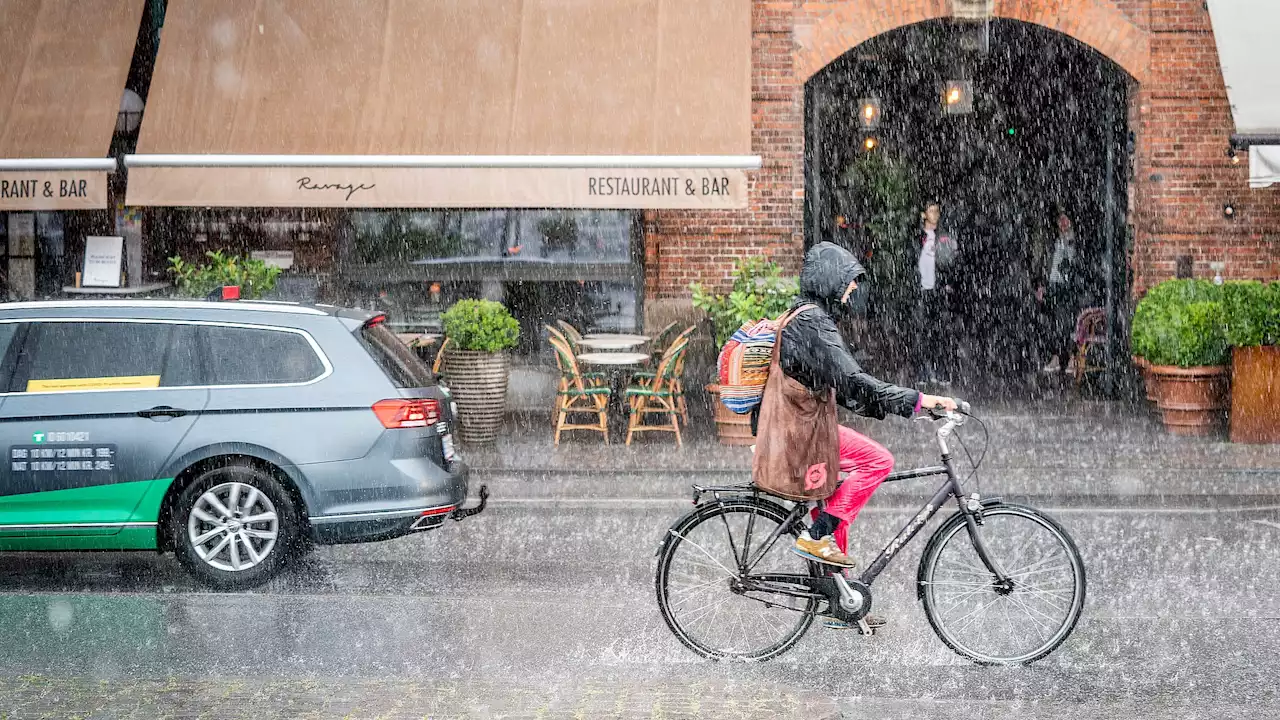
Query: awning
(64, 68)
(449, 103)
(1264, 165)
(1245, 31)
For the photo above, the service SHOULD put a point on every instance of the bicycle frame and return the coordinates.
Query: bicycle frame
(971, 508)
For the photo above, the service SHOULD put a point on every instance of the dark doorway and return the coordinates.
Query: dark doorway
(1047, 130)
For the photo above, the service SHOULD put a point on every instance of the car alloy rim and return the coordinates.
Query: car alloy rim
(233, 526)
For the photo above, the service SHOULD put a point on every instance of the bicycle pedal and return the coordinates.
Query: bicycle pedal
(864, 628)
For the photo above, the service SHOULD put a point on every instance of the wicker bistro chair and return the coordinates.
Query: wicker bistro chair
(579, 394)
(644, 377)
(661, 342)
(1091, 332)
(571, 334)
(435, 366)
(594, 379)
(657, 397)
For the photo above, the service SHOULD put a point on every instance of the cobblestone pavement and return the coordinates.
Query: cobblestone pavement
(234, 699)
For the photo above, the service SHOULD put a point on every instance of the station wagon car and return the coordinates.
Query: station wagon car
(233, 434)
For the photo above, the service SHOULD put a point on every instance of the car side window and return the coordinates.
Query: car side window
(7, 331)
(257, 356)
(85, 355)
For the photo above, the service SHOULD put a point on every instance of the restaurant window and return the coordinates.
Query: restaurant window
(581, 266)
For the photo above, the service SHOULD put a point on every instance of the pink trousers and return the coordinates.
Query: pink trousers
(867, 463)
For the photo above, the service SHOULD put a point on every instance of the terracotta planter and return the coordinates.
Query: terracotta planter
(1255, 395)
(478, 382)
(1150, 382)
(1193, 401)
(731, 428)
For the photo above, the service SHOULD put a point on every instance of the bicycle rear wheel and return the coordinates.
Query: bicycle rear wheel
(1010, 625)
(700, 587)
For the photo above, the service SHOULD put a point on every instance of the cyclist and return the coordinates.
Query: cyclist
(813, 353)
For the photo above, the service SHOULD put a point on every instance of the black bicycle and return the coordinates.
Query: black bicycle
(1001, 584)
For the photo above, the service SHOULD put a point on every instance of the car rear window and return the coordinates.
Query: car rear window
(258, 356)
(66, 356)
(402, 365)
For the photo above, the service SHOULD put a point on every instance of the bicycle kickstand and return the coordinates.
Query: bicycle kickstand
(864, 628)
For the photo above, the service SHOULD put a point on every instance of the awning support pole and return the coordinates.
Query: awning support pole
(56, 164)
(1242, 142)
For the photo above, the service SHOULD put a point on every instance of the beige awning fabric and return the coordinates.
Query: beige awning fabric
(1264, 166)
(64, 68)
(457, 95)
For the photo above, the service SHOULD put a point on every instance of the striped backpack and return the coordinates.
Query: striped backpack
(743, 365)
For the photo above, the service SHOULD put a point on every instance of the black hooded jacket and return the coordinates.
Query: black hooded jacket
(814, 353)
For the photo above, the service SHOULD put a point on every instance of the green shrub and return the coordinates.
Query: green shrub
(1253, 313)
(480, 325)
(759, 291)
(1151, 314)
(254, 277)
(1182, 323)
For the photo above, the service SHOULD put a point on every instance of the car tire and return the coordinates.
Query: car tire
(235, 526)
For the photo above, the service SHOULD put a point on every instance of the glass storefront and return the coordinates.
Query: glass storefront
(581, 266)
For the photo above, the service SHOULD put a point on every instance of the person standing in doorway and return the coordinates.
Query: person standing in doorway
(935, 254)
(1062, 296)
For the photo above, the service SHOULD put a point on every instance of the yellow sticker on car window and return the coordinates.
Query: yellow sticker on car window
(134, 382)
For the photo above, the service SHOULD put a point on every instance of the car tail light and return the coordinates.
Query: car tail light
(375, 321)
(402, 413)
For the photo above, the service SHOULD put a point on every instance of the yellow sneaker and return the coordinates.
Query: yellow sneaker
(824, 550)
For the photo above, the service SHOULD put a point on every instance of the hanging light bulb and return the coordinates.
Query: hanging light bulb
(870, 143)
(957, 97)
(869, 113)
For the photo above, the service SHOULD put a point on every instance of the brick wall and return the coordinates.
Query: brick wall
(1179, 113)
(1183, 176)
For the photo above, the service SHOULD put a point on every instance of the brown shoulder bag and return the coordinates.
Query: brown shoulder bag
(797, 443)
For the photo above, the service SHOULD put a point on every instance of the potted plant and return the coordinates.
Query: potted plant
(1182, 334)
(1138, 343)
(1253, 331)
(759, 291)
(476, 365)
(254, 277)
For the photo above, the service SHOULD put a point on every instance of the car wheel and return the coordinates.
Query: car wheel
(235, 527)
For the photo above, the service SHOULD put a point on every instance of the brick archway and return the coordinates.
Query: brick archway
(1099, 24)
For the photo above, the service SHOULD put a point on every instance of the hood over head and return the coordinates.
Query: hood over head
(828, 270)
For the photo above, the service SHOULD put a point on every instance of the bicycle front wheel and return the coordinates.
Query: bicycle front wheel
(714, 608)
(1012, 624)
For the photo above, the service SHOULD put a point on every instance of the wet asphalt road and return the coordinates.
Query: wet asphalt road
(1182, 620)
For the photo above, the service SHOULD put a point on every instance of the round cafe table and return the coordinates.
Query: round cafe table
(612, 342)
(616, 359)
(620, 365)
(617, 336)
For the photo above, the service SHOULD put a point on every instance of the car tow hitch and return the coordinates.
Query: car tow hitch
(461, 513)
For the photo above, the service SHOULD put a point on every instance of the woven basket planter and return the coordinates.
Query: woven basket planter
(478, 382)
(731, 428)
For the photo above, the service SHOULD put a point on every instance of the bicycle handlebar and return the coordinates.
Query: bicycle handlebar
(962, 409)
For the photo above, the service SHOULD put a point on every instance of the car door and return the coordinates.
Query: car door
(94, 409)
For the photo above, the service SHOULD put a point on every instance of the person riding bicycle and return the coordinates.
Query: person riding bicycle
(812, 352)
